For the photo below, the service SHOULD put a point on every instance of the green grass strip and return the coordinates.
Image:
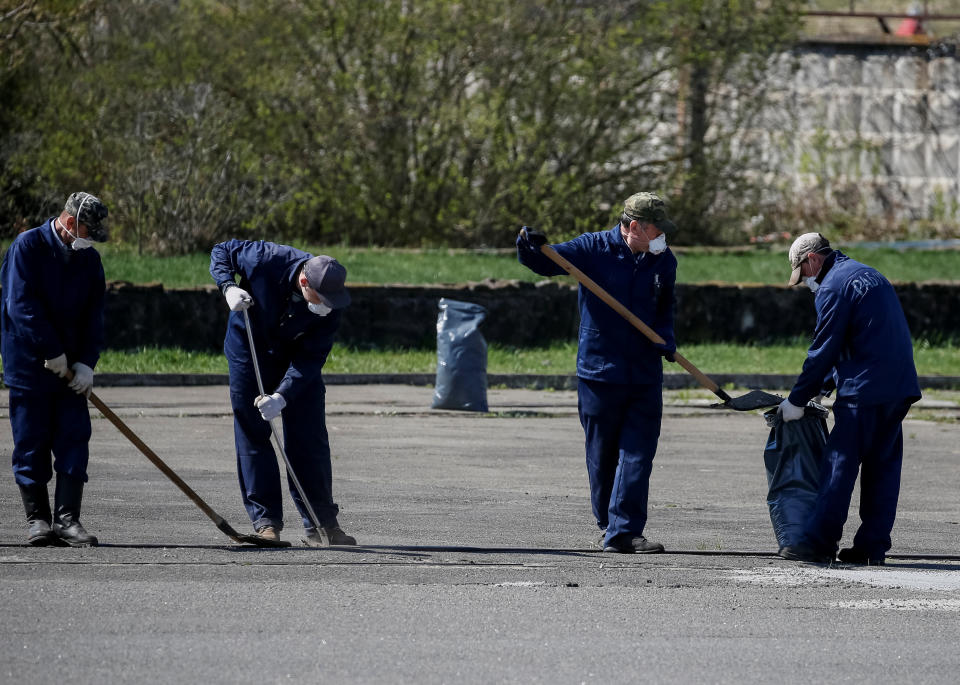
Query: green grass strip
(931, 360)
(434, 266)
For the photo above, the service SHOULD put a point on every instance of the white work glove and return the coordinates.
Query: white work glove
(790, 412)
(270, 406)
(82, 382)
(58, 365)
(238, 299)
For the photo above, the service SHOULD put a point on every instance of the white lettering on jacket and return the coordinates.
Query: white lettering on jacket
(862, 283)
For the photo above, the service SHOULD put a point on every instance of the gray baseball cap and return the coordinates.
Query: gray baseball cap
(802, 246)
(651, 209)
(89, 211)
(327, 277)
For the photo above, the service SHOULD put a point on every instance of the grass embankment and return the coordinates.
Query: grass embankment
(941, 360)
(373, 265)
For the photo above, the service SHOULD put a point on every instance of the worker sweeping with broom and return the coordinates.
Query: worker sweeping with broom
(284, 314)
(619, 369)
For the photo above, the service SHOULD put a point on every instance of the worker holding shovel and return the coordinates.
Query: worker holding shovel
(284, 313)
(862, 345)
(619, 369)
(51, 320)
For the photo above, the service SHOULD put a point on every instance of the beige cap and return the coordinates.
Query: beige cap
(802, 246)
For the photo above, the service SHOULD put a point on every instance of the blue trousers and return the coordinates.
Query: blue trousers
(306, 444)
(868, 439)
(46, 423)
(621, 425)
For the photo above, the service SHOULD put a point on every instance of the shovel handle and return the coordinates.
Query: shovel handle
(651, 334)
(311, 514)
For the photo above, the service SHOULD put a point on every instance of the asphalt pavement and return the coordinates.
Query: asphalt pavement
(477, 559)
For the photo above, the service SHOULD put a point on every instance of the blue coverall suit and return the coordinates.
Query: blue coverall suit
(52, 304)
(619, 371)
(292, 345)
(862, 345)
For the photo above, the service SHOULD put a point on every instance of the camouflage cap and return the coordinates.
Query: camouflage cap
(803, 246)
(651, 209)
(90, 212)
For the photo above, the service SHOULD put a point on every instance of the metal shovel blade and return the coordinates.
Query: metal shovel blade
(755, 399)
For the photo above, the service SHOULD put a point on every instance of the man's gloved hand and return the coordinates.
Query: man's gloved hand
(238, 299)
(270, 406)
(58, 365)
(790, 412)
(666, 353)
(534, 238)
(82, 382)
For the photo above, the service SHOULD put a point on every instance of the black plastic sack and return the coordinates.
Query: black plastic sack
(461, 357)
(793, 456)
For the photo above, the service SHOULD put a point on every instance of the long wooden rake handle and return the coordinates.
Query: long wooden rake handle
(655, 337)
(154, 459)
(220, 522)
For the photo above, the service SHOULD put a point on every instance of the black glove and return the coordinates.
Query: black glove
(534, 238)
(667, 354)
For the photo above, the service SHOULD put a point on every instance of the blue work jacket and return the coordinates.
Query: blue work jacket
(52, 304)
(610, 349)
(861, 339)
(289, 338)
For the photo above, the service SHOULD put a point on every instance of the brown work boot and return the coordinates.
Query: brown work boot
(337, 537)
(334, 534)
(269, 533)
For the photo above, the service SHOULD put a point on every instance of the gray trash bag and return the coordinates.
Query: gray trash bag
(793, 456)
(461, 357)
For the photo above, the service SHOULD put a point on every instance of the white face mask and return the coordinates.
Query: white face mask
(811, 282)
(633, 241)
(658, 244)
(78, 242)
(319, 309)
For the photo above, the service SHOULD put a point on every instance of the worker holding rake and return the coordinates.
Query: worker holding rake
(619, 369)
(284, 313)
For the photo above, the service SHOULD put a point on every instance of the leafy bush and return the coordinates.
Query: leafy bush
(392, 123)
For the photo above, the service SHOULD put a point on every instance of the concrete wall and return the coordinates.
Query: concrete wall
(519, 314)
(874, 128)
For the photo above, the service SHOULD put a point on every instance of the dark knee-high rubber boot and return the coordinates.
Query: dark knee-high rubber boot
(37, 505)
(66, 513)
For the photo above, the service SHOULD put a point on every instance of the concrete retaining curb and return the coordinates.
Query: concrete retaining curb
(520, 314)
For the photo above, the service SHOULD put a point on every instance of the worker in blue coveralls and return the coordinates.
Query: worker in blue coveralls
(295, 301)
(51, 325)
(862, 349)
(619, 371)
